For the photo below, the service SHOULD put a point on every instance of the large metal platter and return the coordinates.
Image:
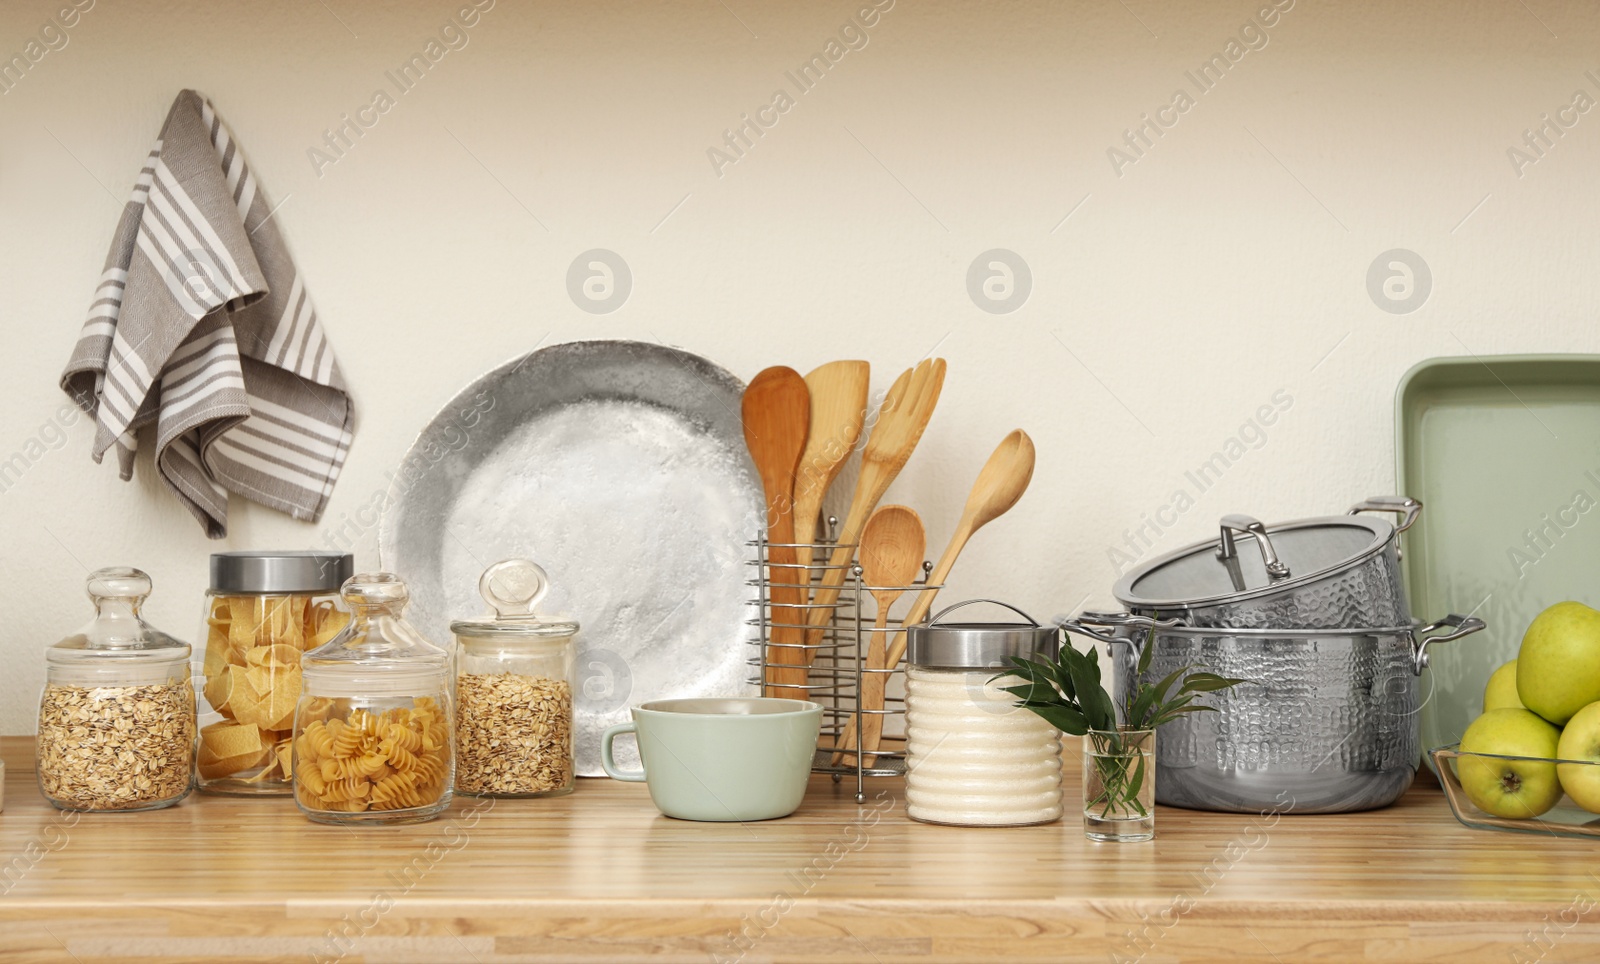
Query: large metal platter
(620, 467)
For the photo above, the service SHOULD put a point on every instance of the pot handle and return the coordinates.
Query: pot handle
(1228, 551)
(1406, 507)
(1084, 625)
(1459, 626)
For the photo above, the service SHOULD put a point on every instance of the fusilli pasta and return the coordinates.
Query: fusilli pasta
(394, 760)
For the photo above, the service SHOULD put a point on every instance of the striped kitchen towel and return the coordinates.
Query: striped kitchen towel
(202, 326)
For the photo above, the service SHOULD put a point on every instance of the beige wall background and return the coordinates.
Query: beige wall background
(1169, 302)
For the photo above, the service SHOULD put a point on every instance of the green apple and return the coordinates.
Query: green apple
(1580, 740)
(1518, 789)
(1502, 689)
(1558, 666)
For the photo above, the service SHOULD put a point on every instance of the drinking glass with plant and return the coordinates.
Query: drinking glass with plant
(1118, 758)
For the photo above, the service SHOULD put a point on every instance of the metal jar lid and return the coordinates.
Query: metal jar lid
(1291, 555)
(291, 571)
(941, 645)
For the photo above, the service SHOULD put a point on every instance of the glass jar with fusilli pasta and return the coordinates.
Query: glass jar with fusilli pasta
(374, 726)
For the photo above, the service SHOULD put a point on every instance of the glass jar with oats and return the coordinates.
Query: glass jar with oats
(116, 719)
(514, 690)
(263, 610)
(373, 731)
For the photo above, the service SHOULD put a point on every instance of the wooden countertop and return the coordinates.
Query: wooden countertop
(600, 876)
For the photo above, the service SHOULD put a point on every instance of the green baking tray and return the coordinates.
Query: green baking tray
(1504, 452)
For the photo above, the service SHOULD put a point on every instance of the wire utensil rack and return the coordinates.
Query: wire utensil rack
(837, 656)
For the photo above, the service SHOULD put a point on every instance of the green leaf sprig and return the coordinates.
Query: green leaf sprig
(1068, 694)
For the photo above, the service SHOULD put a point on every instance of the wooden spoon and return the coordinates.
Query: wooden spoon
(1000, 484)
(838, 409)
(892, 548)
(777, 418)
(902, 419)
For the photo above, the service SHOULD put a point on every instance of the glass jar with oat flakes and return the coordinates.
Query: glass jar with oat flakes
(262, 611)
(514, 690)
(373, 728)
(116, 719)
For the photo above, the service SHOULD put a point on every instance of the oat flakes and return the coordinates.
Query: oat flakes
(116, 747)
(513, 734)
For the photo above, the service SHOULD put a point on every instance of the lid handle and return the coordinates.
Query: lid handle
(117, 592)
(1406, 507)
(950, 609)
(1228, 552)
(118, 582)
(513, 587)
(367, 591)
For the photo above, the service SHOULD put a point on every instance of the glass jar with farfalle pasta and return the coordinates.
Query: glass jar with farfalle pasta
(373, 729)
(263, 610)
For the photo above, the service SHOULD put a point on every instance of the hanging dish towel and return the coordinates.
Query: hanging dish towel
(201, 325)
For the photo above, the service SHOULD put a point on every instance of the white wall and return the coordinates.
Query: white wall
(1220, 268)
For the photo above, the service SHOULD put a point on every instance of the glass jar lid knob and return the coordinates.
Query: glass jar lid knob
(119, 582)
(117, 629)
(513, 588)
(117, 593)
(371, 591)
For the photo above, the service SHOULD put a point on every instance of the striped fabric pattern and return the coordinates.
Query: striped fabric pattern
(202, 327)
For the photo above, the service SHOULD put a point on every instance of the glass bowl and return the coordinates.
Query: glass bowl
(1565, 819)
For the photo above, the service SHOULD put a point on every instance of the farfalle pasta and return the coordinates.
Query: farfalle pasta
(394, 760)
(253, 680)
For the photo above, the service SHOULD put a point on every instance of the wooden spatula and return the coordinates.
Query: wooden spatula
(1000, 484)
(777, 419)
(838, 409)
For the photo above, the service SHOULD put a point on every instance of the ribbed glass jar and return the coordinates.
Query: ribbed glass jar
(974, 759)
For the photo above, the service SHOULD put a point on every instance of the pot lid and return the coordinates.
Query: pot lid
(1249, 560)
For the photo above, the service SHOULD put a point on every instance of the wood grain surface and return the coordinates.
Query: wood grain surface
(600, 876)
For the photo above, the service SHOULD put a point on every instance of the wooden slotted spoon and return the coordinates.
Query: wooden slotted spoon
(892, 548)
(902, 419)
(1000, 484)
(777, 418)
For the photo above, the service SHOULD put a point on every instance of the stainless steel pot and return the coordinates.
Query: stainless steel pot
(1328, 723)
(1335, 572)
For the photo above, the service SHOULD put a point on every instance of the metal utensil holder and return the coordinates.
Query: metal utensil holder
(838, 661)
